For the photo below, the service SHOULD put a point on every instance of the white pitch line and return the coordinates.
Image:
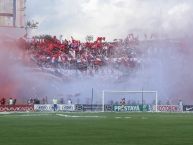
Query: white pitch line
(76, 116)
(144, 118)
(21, 115)
(5, 113)
(128, 117)
(118, 117)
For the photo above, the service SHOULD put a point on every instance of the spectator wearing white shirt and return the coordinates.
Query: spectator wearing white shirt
(55, 103)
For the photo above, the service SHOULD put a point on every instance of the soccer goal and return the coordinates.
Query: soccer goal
(129, 100)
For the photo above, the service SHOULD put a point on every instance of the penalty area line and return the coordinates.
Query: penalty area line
(77, 116)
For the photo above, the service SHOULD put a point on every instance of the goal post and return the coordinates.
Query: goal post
(142, 91)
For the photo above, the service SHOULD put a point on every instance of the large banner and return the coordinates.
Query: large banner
(16, 108)
(166, 108)
(131, 108)
(188, 108)
(50, 107)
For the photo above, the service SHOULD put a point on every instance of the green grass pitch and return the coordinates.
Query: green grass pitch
(96, 129)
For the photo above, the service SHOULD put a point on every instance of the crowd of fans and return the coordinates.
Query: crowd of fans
(49, 51)
(10, 101)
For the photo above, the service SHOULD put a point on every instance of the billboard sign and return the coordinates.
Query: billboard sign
(16, 108)
(166, 108)
(188, 108)
(50, 107)
(131, 108)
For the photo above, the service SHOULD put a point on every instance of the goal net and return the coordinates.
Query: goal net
(128, 101)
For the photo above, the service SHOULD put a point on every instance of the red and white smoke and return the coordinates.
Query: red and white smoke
(9, 84)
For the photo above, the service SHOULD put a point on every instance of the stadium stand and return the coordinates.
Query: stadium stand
(48, 51)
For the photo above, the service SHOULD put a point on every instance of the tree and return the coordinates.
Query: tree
(29, 26)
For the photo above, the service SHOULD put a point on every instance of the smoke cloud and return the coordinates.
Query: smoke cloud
(113, 19)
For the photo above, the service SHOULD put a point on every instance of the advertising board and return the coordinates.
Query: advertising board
(50, 107)
(166, 108)
(16, 108)
(187, 108)
(131, 108)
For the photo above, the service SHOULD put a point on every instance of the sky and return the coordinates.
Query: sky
(111, 18)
